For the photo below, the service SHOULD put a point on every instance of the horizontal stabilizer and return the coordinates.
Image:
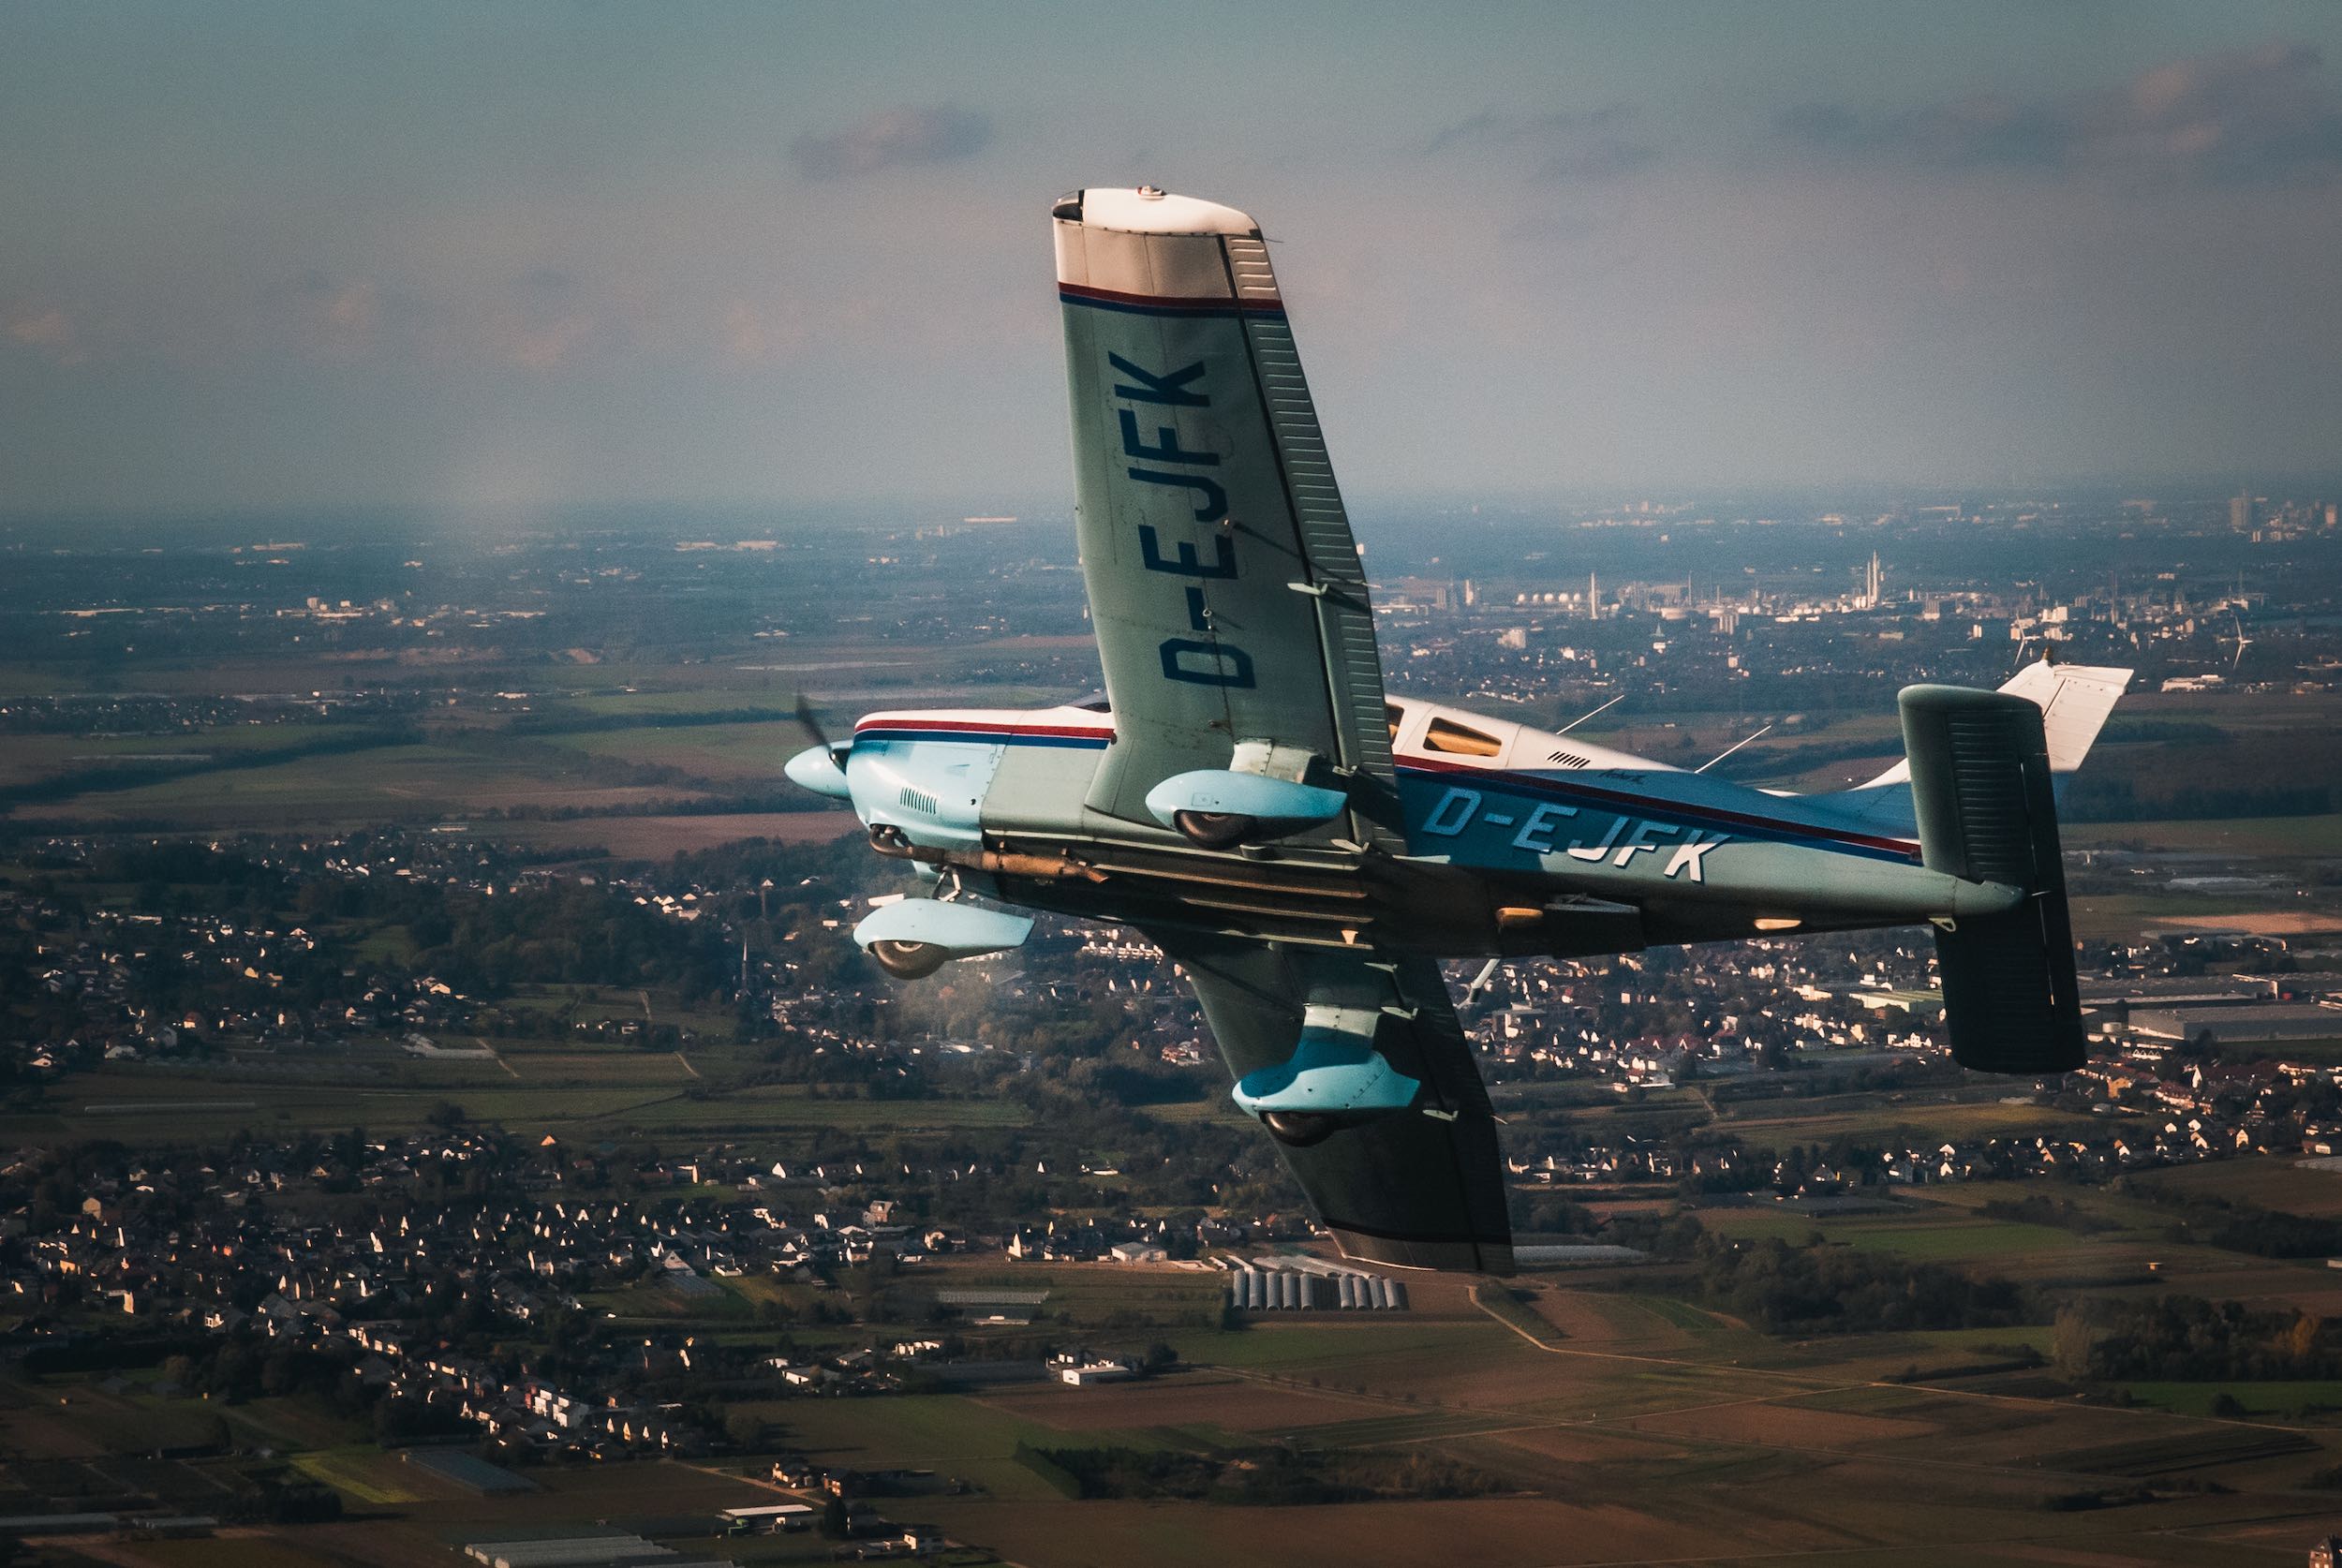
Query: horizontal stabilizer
(2074, 700)
(1980, 785)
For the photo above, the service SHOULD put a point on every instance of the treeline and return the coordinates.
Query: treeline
(1827, 1289)
(1265, 1477)
(572, 722)
(133, 776)
(780, 798)
(2239, 1227)
(2098, 798)
(2188, 1338)
(1821, 1287)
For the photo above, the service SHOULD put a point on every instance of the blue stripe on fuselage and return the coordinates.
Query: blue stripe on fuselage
(1230, 308)
(1737, 824)
(1657, 810)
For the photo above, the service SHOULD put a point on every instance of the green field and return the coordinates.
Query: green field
(2257, 1399)
(2263, 836)
(1942, 1241)
(957, 1436)
(1287, 1348)
(365, 1475)
(568, 1094)
(1780, 1122)
(393, 783)
(2277, 1183)
(727, 753)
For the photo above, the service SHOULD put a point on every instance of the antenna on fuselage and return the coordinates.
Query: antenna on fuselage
(1583, 717)
(1479, 984)
(1728, 750)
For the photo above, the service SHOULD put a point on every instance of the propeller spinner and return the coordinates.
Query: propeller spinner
(821, 766)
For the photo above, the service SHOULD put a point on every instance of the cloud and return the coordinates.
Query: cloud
(345, 324)
(753, 335)
(2238, 117)
(51, 331)
(334, 315)
(891, 139)
(1565, 147)
(540, 344)
(746, 340)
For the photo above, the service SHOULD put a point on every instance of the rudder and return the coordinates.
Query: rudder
(1982, 791)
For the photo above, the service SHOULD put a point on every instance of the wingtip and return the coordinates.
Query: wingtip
(1149, 210)
(1436, 1254)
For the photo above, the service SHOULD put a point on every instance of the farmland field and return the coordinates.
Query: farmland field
(2289, 1185)
(1631, 1454)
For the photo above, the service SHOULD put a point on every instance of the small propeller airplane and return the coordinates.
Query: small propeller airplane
(1306, 848)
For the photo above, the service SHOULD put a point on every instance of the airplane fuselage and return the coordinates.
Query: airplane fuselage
(1608, 855)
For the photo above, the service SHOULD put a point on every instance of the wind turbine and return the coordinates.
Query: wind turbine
(2242, 642)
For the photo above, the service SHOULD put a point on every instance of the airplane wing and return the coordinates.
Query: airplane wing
(1224, 587)
(1409, 1188)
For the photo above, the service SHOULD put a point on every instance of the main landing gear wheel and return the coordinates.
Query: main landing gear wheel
(1214, 830)
(909, 960)
(1300, 1129)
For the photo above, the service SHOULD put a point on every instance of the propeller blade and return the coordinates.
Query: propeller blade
(812, 725)
(809, 724)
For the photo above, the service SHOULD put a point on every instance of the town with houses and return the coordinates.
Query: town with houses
(464, 1234)
(524, 1152)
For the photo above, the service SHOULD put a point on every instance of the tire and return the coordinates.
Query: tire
(1300, 1129)
(1214, 830)
(908, 960)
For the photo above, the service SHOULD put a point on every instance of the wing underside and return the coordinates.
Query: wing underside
(1224, 586)
(1422, 1188)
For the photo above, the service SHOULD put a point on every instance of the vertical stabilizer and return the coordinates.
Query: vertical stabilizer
(1980, 787)
(2075, 700)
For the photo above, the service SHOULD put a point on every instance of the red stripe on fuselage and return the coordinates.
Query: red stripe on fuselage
(978, 727)
(1169, 302)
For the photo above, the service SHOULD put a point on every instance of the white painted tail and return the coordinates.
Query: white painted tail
(2074, 700)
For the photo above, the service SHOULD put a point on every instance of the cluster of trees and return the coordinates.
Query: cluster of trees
(2188, 1338)
(562, 933)
(1822, 1289)
(2264, 1233)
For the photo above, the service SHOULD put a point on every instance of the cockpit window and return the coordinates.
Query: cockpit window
(1394, 716)
(1095, 702)
(1445, 735)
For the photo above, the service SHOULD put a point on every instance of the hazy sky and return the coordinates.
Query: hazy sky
(517, 254)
